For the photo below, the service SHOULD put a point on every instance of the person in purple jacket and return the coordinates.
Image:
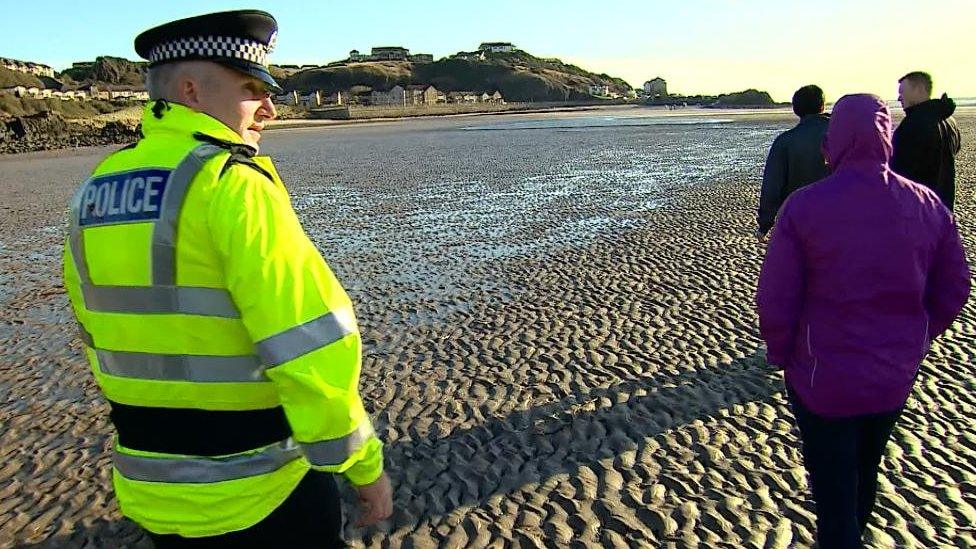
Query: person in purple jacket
(864, 269)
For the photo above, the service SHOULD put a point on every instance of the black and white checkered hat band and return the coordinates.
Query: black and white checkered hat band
(211, 47)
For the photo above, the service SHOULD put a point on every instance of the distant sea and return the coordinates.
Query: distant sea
(960, 102)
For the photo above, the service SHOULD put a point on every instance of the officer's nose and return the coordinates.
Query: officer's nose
(268, 109)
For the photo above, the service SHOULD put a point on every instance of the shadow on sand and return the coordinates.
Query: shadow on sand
(466, 468)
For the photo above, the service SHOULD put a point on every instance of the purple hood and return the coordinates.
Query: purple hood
(859, 133)
(864, 269)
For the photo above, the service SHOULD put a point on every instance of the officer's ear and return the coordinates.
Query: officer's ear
(192, 78)
(189, 91)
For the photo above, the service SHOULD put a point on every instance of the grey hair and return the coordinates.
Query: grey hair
(162, 81)
(159, 81)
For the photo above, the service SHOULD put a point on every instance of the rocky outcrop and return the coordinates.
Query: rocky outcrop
(39, 126)
(49, 130)
(114, 71)
(747, 98)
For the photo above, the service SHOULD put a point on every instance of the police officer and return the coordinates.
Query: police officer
(225, 346)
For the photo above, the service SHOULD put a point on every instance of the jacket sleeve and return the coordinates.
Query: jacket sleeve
(948, 283)
(72, 286)
(950, 143)
(300, 319)
(773, 185)
(954, 137)
(781, 290)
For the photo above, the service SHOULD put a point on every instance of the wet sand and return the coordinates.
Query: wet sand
(561, 344)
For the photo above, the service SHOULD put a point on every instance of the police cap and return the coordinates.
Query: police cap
(239, 39)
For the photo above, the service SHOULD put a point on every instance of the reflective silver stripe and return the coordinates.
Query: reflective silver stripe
(76, 237)
(164, 230)
(195, 368)
(86, 337)
(303, 339)
(160, 299)
(335, 452)
(199, 470)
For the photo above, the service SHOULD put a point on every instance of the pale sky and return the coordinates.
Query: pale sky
(698, 46)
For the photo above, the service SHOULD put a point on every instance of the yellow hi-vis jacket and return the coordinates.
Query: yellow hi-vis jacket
(197, 289)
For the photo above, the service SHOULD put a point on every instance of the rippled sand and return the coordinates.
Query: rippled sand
(561, 346)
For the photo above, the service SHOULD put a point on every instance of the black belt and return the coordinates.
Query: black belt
(198, 432)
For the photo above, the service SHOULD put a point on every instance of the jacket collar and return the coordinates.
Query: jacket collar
(161, 117)
(809, 118)
(942, 108)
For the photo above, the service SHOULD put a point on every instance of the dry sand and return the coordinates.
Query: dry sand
(608, 394)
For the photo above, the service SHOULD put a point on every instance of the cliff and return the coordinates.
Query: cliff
(113, 71)
(519, 76)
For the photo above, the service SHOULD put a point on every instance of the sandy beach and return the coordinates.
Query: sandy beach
(561, 346)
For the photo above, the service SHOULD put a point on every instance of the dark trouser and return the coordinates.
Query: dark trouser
(842, 457)
(310, 517)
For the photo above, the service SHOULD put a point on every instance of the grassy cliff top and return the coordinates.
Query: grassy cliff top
(10, 79)
(519, 76)
(114, 71)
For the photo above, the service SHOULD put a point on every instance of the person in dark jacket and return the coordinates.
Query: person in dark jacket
(795, 159)
(927, 140)
(864, 270)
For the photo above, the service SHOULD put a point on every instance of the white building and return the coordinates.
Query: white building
(390, 53)
(463, 97)
(27, 67)
(289, 98)
(98, 93)
(495, 97)
(394, 96)
(497, 47)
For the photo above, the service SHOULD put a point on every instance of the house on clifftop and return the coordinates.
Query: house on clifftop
(389, 53)
(497, 47)
(28, 67)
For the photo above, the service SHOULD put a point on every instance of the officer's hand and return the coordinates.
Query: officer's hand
(375, 501)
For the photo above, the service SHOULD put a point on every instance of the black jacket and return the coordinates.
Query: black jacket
(926, 144)
(795, 160)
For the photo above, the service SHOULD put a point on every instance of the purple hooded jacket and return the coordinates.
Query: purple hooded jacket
(864, 269)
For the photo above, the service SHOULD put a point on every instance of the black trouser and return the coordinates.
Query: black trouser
(310, 517)
(842, 457)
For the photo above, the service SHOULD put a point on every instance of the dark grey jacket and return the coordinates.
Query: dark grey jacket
(795, 160)
(926, 144)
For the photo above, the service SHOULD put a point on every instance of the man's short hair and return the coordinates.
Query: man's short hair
(919, 78)
(162, 81)
(159, 81)
(808, 100)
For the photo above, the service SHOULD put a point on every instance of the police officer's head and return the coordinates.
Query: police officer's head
(808, 100)
(216, 64)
